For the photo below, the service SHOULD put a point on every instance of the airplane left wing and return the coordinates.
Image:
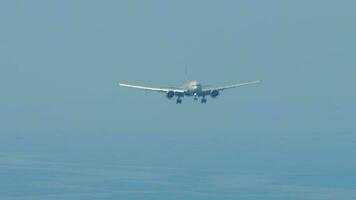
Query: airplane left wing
(207, 91)
(165, 90)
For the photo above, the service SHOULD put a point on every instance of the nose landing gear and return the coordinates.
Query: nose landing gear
(195, 97)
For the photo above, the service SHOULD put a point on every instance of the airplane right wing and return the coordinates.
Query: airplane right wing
(165, 90)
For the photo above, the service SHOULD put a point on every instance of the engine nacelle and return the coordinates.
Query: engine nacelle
(170, 94)
(214, 93)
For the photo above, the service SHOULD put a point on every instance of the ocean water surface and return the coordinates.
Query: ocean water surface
(106, 166)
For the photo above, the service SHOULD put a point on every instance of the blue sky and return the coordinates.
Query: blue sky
(61, 62)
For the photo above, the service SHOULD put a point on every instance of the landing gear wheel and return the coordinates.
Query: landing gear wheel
(203, 100)
(179, 101)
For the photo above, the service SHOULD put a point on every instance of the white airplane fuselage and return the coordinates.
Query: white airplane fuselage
(193, 88)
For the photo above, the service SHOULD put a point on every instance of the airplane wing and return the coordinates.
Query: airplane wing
(208, 90)
(165, 90)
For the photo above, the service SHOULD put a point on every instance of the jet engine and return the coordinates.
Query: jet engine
(214, 93)
(170, 94)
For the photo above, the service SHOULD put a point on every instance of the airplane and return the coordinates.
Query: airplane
(193, 88)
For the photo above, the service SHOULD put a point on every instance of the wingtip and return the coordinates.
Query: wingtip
(255, 82)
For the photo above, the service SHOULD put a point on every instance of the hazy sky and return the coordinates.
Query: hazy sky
(60, 62)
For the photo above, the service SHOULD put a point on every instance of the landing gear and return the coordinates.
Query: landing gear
(195, 97)
(203, 100)
(179, 101)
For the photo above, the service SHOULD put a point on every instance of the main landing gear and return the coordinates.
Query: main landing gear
(179, 101)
